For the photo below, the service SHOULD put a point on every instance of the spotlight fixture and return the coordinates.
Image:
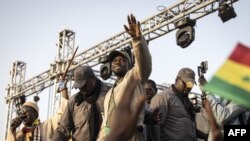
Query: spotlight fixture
(130, 54)
(186, 33)
(105, 69)
(226, 12)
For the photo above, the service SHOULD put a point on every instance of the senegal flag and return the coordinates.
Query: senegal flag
(232, 80)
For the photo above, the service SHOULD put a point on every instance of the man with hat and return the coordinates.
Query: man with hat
(33, 130)
(178, 116)
(83, 115)
(120, 66)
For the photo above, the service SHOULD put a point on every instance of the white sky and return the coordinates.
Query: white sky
(29, 32)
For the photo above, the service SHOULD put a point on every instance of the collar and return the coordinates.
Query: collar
(28, 129)
(182, 95)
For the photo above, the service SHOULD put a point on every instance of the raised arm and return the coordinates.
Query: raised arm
(143, 61)
(65, 125)
(52, 123)
(216, 134)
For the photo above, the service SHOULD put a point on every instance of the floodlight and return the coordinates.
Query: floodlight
(186, 33)
(105, 69)
(226, 12)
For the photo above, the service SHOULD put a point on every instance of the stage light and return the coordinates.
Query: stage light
(130, 54)
(226, 12)
(105, 69)
(186, 33)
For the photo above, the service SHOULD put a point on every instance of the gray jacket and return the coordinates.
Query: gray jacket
(226, 112)
(75, 120)
(177, 124)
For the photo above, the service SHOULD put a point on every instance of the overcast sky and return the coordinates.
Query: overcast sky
(29, 32)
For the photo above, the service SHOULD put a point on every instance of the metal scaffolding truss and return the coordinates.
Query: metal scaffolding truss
(152, 28)
(17, 76)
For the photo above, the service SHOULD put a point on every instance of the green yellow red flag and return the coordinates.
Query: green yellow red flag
(232, 80)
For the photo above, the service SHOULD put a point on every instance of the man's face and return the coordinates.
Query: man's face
(150, 91)
(183, 87)
(29, 115)
(119, 65)
(88, 87)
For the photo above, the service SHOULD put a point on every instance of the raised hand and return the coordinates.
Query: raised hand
(202, 80)
(16, 122)
(134, 27)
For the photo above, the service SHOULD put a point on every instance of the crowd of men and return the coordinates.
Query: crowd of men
(130, 110)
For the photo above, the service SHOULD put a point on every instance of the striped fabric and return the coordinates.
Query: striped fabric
(232, 80)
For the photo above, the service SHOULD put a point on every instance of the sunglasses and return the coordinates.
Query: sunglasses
(188, 85)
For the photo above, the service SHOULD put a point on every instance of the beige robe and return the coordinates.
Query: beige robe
(47, 127)
(142, 68)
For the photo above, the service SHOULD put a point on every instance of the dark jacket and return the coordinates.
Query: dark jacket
(75, 121)
(177, 123)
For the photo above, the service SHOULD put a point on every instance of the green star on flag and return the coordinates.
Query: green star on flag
(246, 78)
